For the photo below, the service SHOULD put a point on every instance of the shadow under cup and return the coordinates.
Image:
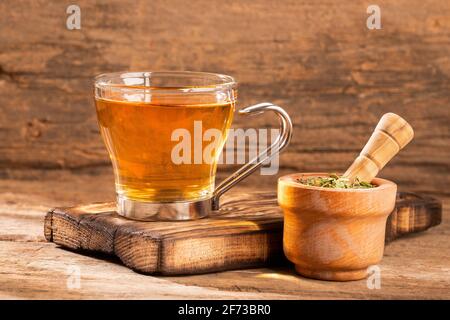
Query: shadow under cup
(164, 132)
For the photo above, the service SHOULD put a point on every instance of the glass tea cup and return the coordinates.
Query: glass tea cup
(154, 126)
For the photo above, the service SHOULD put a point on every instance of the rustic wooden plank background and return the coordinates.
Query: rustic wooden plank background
(317, 59)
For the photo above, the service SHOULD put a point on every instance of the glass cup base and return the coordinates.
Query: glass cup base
(163, 211)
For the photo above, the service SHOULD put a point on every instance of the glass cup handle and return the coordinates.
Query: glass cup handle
(277, 146)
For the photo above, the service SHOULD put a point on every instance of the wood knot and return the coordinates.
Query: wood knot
(34, 128)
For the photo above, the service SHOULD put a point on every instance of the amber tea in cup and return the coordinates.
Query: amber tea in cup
(143, 116)
(138, 138)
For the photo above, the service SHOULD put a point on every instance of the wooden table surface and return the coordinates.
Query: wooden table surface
(30, 268)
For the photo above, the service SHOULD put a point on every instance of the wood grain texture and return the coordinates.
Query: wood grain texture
(40, 271)
(247, 232)
(334, 234)
(391, 134)
(241, 235)
(412, 213)
(31, 268)
(317, 60)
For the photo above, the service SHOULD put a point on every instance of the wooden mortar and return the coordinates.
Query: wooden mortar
(336, 234)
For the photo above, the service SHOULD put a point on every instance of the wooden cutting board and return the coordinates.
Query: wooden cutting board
(246, 232)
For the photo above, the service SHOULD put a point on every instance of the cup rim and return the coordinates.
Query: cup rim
(381, 184)
(222, 81)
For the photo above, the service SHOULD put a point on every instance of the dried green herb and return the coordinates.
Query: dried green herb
(336, 182)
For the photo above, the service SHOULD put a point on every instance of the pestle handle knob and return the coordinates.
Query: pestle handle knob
(391, 135)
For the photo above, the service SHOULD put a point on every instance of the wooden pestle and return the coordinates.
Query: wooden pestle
(391, 135)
